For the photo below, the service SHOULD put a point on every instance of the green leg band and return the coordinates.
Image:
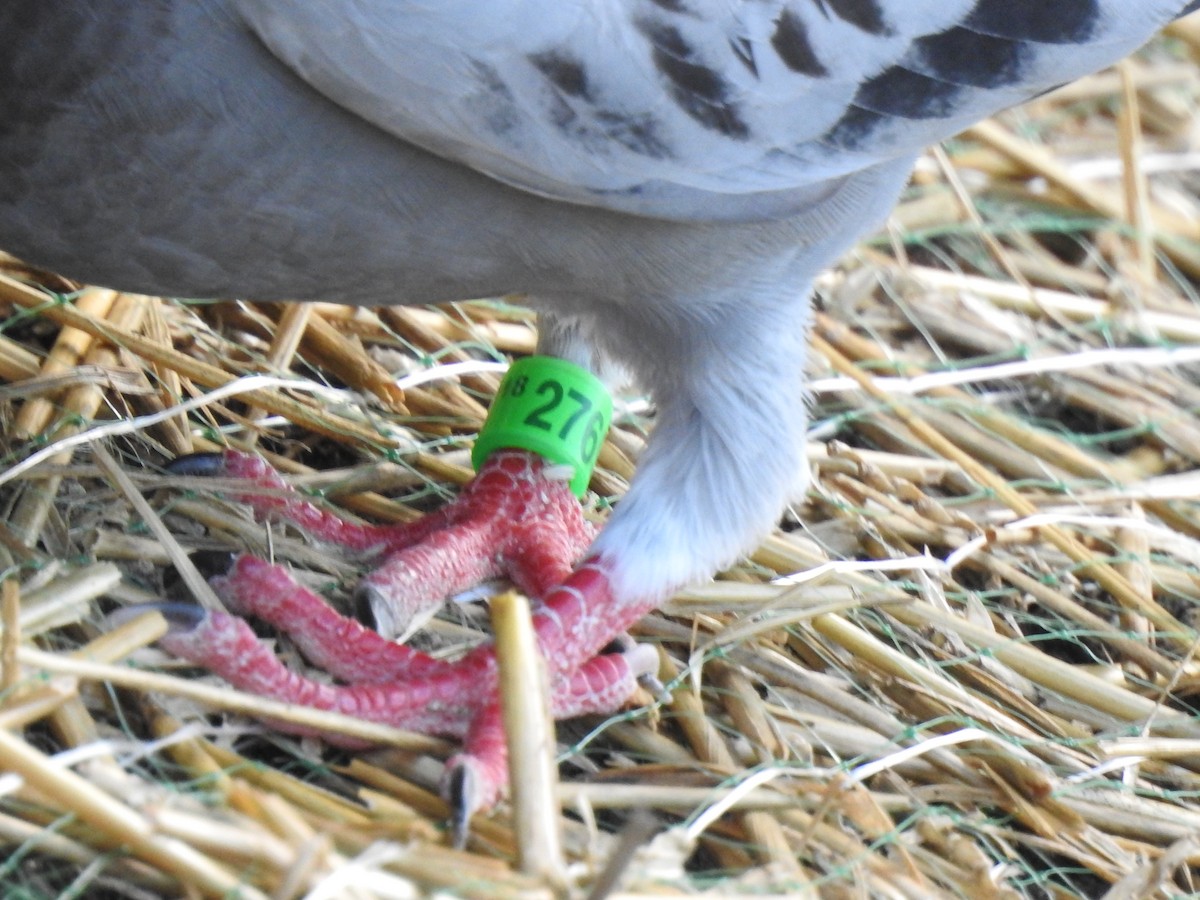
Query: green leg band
(552, 407)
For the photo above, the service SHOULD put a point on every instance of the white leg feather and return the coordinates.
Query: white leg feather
(727, 452)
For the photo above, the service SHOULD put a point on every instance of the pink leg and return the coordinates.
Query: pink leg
(444, 704)
(476, 776)
(411, 585)
(582, 615)
(451, 699)
(274, 498)
(345, 649)
(511, 520)
(603, 683)
(332, 642)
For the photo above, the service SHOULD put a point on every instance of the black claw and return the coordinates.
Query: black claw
(180, 616)
(207, 562)
(205, 464)
(621, 643)
(457, 788)
(213, 562)
(363, 611)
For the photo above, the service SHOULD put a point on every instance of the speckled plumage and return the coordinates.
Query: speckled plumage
(663, 178)
(697, 109)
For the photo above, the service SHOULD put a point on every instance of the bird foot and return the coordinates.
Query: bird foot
(515, 520)
(511, 521)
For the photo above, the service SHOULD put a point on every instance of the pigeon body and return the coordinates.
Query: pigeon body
(186, 159)
(663, 178)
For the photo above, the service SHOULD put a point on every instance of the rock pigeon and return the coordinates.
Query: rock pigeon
(662, 178)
